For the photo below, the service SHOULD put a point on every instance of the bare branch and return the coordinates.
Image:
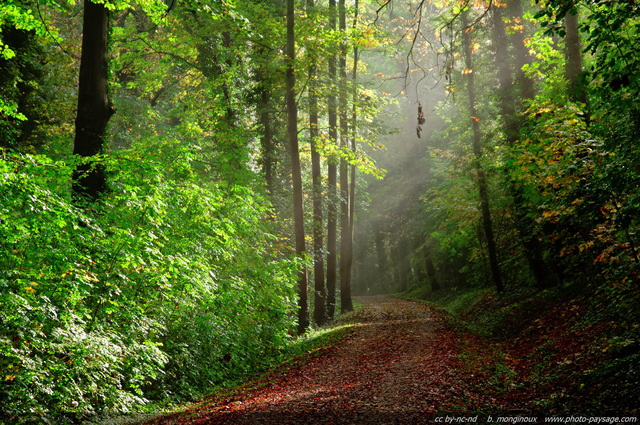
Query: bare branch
(385, 4)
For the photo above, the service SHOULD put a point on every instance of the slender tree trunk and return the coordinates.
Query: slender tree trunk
(477, 150)
(354, 138)
(354, 117)
(94, 107)
(346, 236)
(332, 177)
(320, 299)
(296, 174)
(332, 237)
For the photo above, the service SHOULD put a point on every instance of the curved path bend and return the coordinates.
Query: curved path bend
(405, 363)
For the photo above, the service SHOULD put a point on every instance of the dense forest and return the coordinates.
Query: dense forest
(190, 185)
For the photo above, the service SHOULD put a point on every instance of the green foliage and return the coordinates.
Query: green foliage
(167, 288)
(21, 93)
(17, 14)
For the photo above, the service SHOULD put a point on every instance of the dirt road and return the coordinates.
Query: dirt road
(405, 363)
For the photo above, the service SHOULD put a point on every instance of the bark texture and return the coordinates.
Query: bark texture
(94, 108)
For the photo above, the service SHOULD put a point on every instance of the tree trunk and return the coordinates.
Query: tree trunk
(296, 174)
(573, 53)
(510, 106)
(332, 177)
(318, 229)
(94, 107)
(477, 150)
(346, 235)
(505, 75)
(354, 137)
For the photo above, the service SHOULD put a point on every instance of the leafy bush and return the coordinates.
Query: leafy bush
(164, 288)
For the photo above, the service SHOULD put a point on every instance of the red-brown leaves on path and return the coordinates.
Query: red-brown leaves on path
(403, 364)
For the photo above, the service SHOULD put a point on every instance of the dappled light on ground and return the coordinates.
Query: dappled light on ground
(404, 364)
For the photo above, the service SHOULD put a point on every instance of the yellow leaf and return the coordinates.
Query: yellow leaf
(92, 277)
(29, 289)
(467, 71)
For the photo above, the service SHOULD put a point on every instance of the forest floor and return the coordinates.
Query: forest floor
(405, 362)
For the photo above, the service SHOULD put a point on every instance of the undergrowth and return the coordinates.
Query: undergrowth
(576, 348)
(299, 351)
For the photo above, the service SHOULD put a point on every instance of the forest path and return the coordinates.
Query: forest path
(405, 363)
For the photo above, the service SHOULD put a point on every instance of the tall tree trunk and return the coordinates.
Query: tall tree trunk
(296, 173)
(573, 53)
(354, 138)
(354, 118)
(94, 107)
(332, 179)
(477, 150)
(346, 235)
(510, 106)
(318, 228)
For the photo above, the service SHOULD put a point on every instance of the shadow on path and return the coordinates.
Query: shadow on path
(402, 365)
